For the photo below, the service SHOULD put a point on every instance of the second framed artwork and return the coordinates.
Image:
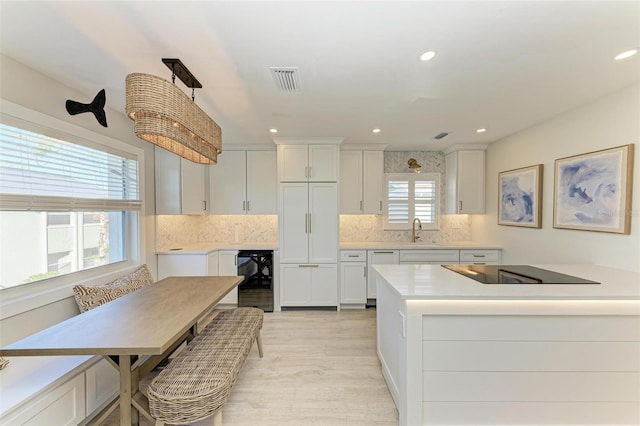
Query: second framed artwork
(520, 197)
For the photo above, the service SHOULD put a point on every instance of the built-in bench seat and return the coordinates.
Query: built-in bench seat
(197, 382)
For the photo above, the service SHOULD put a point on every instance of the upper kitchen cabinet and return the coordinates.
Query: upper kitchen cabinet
(361, 176)
(180, 185)
(465, 179)
(308, 159)
(244, 182)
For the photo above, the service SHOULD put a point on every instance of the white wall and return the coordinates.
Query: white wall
(610, 121)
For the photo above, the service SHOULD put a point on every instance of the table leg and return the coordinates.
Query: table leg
(124, 364)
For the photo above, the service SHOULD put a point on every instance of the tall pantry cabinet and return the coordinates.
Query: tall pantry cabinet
(308, 221)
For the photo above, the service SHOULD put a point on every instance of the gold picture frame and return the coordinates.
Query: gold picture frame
(520, 197)
(592, 191)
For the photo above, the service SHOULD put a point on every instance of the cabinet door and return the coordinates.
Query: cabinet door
(294, 223)
(192, 188)
(167, 182)
(465, 182)
(353, 282)
(227, 184)
(172, 265)
(378, 257)
(373, 178)
(295, 285)
(324, 285)
(103, 384)
(323, 163)
(323, 223)
(293, 163)
(64, 405)
(351, 201)
(262, 182)
(212, 264)
(228, 266)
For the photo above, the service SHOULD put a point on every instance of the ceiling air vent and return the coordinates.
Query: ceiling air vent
(440, 135)
(286, 78)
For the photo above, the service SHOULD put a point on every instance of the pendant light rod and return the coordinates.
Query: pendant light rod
(178, 68)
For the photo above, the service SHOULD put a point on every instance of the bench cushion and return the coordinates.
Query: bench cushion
(89, 297)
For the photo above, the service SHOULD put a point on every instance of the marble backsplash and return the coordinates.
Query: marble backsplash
(359, 228)
(173, 231)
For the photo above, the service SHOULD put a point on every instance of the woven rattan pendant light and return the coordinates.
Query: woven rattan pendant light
(165, 116)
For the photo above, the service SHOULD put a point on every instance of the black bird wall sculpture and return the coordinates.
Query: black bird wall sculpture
(96, 107)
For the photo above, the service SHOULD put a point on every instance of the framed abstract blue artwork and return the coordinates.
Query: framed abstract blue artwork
(520, 197)
(593, 191)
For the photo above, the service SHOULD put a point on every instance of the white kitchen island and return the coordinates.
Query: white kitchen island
(458, 352)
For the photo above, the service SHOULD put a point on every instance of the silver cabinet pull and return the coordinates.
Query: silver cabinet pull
(380, 205)
(235, 260)
(309, 172)
(460, 206)
(308, 266)
(353, 255)
(364, 271)
(244, 206)
(248, 205)
(306, 223)
(479, 255)
(383, 252)
(205, 205)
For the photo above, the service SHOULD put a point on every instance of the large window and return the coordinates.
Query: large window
(64, 206)
(410, 196)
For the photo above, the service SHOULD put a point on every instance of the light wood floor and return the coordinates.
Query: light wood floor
(319, 368)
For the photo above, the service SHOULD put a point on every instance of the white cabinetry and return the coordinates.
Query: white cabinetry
(434, 257)
(308, 223)
(65, 405)
(378, 257)
(180, 185)
(244, 182)
(308, 285)
(361, 180)
(102, 385)
(465, 181)
(308, 163)
(480, 257)
(189, 265)
(353, 277)
(308, 244)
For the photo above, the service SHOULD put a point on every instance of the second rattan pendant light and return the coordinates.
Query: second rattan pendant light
(165, 116)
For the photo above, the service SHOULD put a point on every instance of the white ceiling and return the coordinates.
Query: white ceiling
(503, 65)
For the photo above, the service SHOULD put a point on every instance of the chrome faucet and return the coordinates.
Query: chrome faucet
(415, 237)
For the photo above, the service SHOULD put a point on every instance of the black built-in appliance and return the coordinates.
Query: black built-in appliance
(515, 274)
(256, 289)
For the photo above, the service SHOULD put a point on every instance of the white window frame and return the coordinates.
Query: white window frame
(18, 299)
(411, 178)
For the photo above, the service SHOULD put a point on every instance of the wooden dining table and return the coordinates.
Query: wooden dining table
(134, 333)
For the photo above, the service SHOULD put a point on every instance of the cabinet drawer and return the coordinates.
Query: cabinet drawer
(479, 256)
(353, 256)
(429, 256)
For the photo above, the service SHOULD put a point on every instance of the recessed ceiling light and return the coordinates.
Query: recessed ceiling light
(273, 130)
(625, 55)
(376, 130)
(481, 130)
(427, 56)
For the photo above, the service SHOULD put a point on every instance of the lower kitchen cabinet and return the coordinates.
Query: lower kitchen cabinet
(378, 257)
(222, 263)
(353, 277)
(308, 285)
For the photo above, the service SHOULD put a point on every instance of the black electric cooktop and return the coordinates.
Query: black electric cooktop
(515, 274)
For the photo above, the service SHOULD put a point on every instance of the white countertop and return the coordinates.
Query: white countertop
(408, 245)
(433, 282)
(206, 248)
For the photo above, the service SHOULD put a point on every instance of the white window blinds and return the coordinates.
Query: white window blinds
(42, 173)
(410, 196)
